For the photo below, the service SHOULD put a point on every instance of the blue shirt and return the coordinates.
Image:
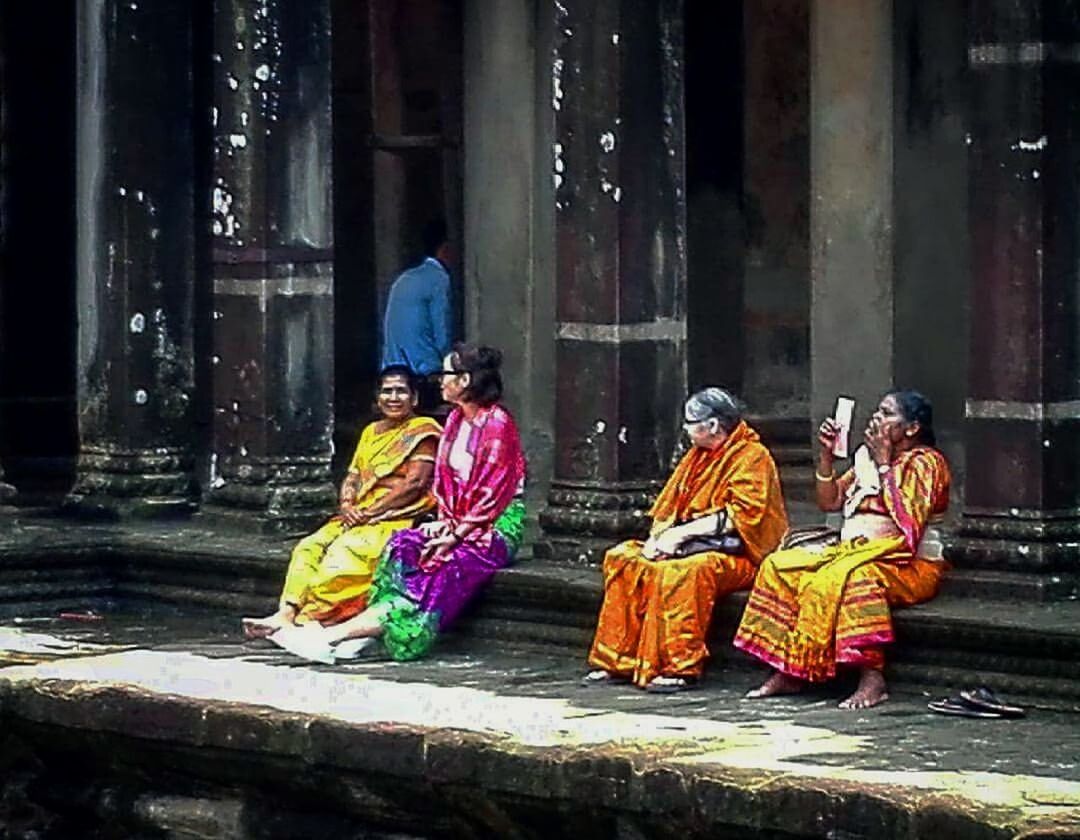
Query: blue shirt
(416, 327)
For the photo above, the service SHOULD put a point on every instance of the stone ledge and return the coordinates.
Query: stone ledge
(135, 715)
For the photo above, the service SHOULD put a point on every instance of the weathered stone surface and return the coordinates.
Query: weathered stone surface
(1022, 431)
(243, 741)
(272, 230)
(136, 265)
(621, 262)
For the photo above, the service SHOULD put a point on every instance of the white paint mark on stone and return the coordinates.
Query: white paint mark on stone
(622, 435)
(599, 427)
(556, 84)
(1035, 174)
(215, 360)
(121, 191)
(141, 397)
(617, 195)
(606, 186)
(240, 46)
(607, 142)
(137, 323)
(262, 72)
(1031, 145)
(968, 139)
(556, 179)
(1024, 549)
(232, 82)
(213, 115)
(615, 38)
(238, 141)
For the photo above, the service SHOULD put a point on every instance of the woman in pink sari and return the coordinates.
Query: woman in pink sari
(428, 575)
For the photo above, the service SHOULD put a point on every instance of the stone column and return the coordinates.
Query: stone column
(1022, 414)
(272, 300)
(617, 166)
(511, 299)
(851, 205)
(135, 257)
(7, 492)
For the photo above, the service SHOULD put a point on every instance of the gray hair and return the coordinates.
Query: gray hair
(714, 402)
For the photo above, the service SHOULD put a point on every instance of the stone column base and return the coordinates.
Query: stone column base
(1041, 551)
(582, 520)
(113, 482)
(286, 495)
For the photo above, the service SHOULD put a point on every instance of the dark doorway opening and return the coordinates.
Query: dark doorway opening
(397, 164)
(714, 192)
(38, 428)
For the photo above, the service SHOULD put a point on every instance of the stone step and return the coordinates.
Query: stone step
(952, 641)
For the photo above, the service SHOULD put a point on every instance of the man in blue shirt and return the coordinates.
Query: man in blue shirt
(417, 329)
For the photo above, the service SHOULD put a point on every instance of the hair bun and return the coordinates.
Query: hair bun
(488, 358)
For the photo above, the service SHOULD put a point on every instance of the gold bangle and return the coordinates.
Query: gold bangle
(821, 477)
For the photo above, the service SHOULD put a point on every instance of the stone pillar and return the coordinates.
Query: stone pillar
(851, 205)
(135, 257)
(7, 492)
(272, 332)
(510, 298)
(617, 166)
(1022, 414)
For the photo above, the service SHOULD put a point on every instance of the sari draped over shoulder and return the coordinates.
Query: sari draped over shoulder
(811, 610)
(656, 613)
(413, 604)
(331, 570)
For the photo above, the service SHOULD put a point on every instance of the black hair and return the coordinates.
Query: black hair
(482, 364)
(399, 370)
(434, 236)
(916, 408)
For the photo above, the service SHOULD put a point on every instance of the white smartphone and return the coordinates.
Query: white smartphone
(845, 410)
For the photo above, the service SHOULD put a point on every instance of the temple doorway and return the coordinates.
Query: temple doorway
(38, 430)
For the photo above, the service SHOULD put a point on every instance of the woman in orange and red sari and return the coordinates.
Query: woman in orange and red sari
(811, 611)
(719, 514)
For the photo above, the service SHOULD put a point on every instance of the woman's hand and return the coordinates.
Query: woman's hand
(437, 551)
(668, 542)
(828, 432)
(353, 516)
(877, 441)
(430, 530)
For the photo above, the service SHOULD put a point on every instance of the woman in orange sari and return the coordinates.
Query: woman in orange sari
(812, 610)
(718, 515)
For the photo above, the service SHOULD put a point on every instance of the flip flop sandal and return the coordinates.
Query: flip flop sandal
(958, 707)
(675, 685)
(983, 698)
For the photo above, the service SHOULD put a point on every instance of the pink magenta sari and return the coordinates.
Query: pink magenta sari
(415, 605)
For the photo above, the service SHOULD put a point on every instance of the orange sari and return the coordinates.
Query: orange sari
(812, 610)
(656, 612)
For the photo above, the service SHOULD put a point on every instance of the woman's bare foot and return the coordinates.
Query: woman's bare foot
(870, 691)
(260, 628)
(779, 683)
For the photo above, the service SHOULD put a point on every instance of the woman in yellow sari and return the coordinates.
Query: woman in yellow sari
(812, 609)
(387, 487)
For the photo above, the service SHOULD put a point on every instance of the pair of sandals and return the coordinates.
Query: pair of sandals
(658, 685)
(976, 703)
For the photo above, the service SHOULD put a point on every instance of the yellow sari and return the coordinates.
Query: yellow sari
(330, 571)
(810, 611)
